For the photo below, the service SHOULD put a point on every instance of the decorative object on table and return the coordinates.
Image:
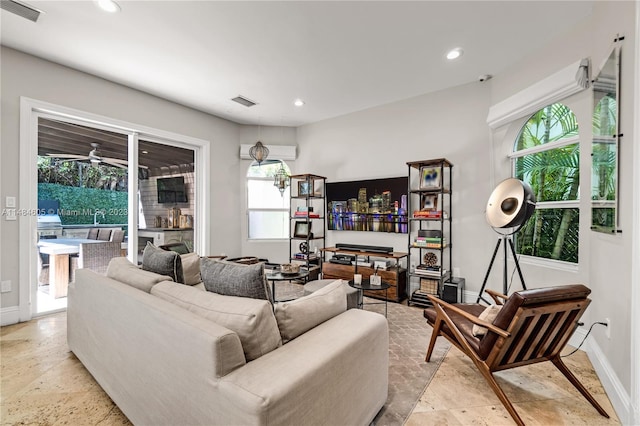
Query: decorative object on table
(375, 279)
(357, 279)
(304, 247)
(302, 230)
(510, 206)
(281, 179)
(289, 268)
(430, 177)
(157, 222)
(259, 152)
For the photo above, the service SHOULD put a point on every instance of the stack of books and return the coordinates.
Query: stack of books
(306, 212)
(429, 271)
(430, 242)
(304, 256)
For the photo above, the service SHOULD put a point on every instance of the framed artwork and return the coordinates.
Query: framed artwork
(304, 187)
(428, 202)
(302, 230)
(430, 177)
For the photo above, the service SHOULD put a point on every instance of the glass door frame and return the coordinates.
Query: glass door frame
(30, 112)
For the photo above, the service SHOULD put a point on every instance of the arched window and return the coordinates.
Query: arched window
(267, 208)
(546, 155)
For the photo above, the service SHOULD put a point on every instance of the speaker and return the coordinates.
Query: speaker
(453, 290)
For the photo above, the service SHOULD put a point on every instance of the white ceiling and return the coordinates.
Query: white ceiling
(338, 57)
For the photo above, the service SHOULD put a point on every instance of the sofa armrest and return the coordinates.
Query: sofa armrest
(335, 373)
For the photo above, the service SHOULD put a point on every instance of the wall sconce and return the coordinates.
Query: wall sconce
(259, 152)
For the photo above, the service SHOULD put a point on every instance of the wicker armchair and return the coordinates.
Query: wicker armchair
(117, 236)
(95, 256)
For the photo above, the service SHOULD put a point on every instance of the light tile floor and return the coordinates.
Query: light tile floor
(42, 382)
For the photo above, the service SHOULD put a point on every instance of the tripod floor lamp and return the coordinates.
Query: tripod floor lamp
(510, 206)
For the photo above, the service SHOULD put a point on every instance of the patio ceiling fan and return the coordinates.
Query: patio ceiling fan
(96, 158)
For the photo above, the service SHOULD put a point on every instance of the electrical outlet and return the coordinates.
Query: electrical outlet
(607, 332)
(5, 286)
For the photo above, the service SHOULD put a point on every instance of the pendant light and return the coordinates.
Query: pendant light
(281, 179)
(259, 152)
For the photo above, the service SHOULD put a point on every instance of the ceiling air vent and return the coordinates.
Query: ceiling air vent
(244, 101)
(20, 9)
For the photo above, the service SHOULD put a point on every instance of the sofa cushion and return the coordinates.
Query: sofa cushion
(251, 319)
(233, 279)
(162, 262)
(120, 269)
(191, 268)
(301, 315)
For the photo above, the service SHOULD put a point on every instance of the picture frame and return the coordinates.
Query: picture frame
(302, 229)
(428, 202)
(304, 188)
(430, 177)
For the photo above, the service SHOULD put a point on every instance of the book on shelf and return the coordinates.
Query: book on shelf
(429, 244)
(429, 273)
(429, 214)
(304, 256)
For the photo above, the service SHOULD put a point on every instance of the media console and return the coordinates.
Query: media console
(395, 275)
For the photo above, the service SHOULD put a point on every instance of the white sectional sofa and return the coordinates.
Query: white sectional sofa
(153, 347)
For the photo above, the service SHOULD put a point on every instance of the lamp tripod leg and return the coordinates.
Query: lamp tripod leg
(486, 277)
(515, 259)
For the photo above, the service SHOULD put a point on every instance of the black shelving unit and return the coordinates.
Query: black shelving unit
(429, 209)
(308, 225)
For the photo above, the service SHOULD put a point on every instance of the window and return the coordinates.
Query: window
(547, 157)
(267, 208)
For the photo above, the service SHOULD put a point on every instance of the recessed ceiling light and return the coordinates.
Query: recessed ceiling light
(298, 102)
(454, 53)
(108, 6)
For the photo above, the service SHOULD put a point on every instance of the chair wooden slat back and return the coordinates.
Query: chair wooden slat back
(537, 334)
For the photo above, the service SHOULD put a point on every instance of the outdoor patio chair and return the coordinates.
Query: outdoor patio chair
(104, 234)
(532, 326)
(95, 256)
(117, 236)
(93, 234)
(43, 268)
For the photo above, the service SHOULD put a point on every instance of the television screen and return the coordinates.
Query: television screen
(172, 190)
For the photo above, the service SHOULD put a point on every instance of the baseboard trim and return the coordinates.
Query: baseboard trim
(9, 315)
(618, 396)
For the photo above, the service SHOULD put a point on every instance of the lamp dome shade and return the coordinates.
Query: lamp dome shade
(511, 204)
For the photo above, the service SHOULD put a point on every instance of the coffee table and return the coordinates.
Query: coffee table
(366, 285)
(279, 276)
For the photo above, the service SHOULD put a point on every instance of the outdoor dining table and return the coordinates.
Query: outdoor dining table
(59, 250)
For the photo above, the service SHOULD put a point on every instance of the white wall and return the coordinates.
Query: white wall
(378, 143)
(605, 260)
(25, 75)
(276, 251)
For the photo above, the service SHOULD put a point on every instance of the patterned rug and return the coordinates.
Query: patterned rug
(409, 337)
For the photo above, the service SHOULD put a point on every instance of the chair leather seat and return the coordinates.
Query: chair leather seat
(464, 325)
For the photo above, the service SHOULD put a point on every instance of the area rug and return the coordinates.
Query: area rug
(409, 374)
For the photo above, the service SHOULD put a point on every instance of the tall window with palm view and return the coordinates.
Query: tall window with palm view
(546, 155)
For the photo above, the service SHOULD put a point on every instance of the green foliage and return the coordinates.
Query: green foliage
(81, 174)
(78, 205)
(554, 175)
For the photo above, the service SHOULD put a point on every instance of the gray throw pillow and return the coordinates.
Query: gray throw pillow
(234, 279)
(162, 262)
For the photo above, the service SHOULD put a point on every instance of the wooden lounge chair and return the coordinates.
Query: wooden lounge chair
(532, 326)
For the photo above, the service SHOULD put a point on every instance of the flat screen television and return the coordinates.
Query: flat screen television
(172, 190)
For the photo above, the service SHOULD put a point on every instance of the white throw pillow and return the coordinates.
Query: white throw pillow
(489, 314)
(191, 268)
(301, 315)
